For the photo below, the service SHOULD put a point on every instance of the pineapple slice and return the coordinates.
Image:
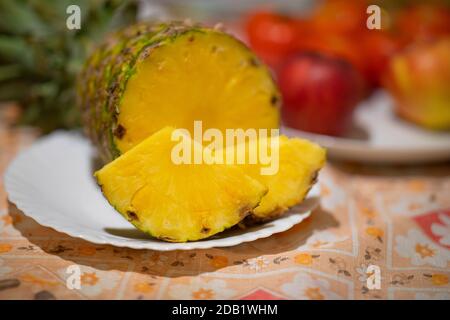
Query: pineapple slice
(299, 162)
(173, 202)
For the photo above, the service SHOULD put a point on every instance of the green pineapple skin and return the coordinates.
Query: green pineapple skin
(101, 83)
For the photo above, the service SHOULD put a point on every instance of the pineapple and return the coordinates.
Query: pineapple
(298, 167)
(173, 202)
(149, 76)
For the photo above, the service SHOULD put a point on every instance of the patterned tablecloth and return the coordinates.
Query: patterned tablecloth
(396, 218)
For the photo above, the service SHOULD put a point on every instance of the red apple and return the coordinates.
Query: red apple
(271, 35)
(340, 17)
(319, 93)
(377, 48)
(424, 22)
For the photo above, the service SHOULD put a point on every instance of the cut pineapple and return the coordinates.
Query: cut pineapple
(299, 163)
(151, 76)
(177, 203)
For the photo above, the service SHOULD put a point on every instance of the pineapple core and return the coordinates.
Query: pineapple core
(177, 203)
(299, 164)
(207, 76)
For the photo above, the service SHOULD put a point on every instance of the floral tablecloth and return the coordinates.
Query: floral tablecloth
(396, 218)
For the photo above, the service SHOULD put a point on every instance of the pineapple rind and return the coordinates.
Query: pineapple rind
(103, 80)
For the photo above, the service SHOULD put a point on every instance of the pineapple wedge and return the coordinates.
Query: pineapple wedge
(299, 162)
(177, 203)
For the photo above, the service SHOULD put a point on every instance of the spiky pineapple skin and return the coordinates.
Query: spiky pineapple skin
(103, 81)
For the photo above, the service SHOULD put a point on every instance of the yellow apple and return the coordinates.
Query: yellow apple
(419, 80)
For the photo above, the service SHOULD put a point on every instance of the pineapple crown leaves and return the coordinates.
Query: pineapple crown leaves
(40, 58)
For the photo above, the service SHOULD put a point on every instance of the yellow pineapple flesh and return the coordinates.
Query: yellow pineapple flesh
(202, 75)
(177, 203)
(299, 162)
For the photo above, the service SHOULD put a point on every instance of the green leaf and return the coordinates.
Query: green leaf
(40, 58)
(13, 90)
(8, 72)
(16, 49)
(19, 17)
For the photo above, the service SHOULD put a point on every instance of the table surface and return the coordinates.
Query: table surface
(395, 218)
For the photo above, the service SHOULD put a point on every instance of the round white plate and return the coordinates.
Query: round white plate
(52, 183)
(379, 136)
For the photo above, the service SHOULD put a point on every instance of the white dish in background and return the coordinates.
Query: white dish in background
(381, 137)
(52, 183)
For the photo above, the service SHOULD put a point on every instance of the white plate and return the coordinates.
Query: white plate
(52, 183)
(381, 137)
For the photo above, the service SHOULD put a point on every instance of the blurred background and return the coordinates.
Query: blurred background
(327, 56)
